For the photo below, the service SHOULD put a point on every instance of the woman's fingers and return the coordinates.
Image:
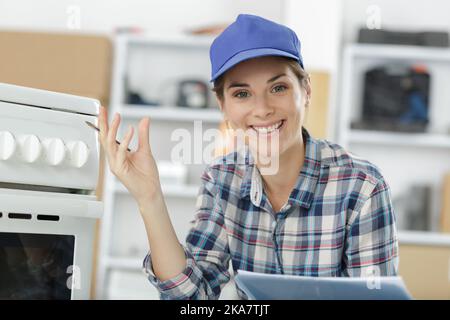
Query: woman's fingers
(116, 153)
(103, 125)
(122, 150)
(144, 130)
(103, 134)
(111, 137)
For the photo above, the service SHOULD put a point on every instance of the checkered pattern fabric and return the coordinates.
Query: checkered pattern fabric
(338, 222)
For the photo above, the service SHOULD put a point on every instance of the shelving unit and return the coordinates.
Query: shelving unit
(399, 52)
(144, 63)
(424, 238)
(132, 264)
(405, 159)
(182, 191)
(426, 140)
(169, 113)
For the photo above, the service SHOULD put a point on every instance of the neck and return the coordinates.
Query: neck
(290, 164)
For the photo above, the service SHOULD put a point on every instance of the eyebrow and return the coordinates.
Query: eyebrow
(237, 84)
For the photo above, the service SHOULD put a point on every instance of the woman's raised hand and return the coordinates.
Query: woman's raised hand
(136, 170)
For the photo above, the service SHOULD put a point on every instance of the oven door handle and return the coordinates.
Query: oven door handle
(23, 201)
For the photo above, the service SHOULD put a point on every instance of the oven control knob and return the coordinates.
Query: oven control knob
(29, 148)
(78, 153)
(55, 151)
(7, 145)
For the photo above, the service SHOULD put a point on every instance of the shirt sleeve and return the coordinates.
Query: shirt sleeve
(206, 250)
(371, 246)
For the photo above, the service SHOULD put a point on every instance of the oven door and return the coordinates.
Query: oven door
(46, 244)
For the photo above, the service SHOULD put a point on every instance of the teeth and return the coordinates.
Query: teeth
(268, 129)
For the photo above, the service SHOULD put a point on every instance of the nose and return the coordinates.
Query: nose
(262, 108)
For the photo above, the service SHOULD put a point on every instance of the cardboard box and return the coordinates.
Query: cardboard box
(445, 210)
(316, 121)
(69, 63)
(425, 270)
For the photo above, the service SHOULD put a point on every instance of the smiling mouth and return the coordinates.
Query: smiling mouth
(269, 129)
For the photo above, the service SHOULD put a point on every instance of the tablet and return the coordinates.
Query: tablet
(263, 286)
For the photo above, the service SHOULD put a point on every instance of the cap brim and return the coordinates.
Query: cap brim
(249, 54)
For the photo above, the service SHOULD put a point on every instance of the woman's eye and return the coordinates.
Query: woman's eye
(241, 94)
(279, 88)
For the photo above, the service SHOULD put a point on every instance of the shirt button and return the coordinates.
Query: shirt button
(274, 224)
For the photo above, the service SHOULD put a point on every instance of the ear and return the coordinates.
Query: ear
(219, 103)
(308, 90)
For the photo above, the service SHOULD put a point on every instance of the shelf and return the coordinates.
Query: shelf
(426, 238)
(400, 139)
(133, 264)
(400, 52)
(185, 40)
(191, 53)
(171, 113)
(180, 191)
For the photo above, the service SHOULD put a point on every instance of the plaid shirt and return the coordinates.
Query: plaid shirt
(338, 222)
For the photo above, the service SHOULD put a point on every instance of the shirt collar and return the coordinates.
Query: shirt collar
(303, 192)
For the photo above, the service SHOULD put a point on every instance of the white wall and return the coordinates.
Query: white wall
(318, 25)
(103, 16)
(405, 15)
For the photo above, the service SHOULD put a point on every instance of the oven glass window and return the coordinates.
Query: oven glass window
(35, 266)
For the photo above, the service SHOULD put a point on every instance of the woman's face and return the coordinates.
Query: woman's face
(264, 98)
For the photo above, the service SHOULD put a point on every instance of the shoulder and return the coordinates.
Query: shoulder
(233, 163)
(337, 157)
(356, 177)
(227, 171)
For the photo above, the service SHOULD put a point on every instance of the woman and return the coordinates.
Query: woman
(320, 211)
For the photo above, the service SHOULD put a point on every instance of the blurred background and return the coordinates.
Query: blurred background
(380, 72)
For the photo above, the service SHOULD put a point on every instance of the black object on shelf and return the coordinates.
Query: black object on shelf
(428, 39)
(134, 98)
(192, 93)
(395, 99)
(418, 213)
(413, 208)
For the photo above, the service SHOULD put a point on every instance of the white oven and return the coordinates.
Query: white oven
(49, 160)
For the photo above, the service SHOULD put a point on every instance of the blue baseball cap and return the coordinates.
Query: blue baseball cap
(249, 37)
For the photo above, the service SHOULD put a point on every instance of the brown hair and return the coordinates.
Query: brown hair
(302, 75)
